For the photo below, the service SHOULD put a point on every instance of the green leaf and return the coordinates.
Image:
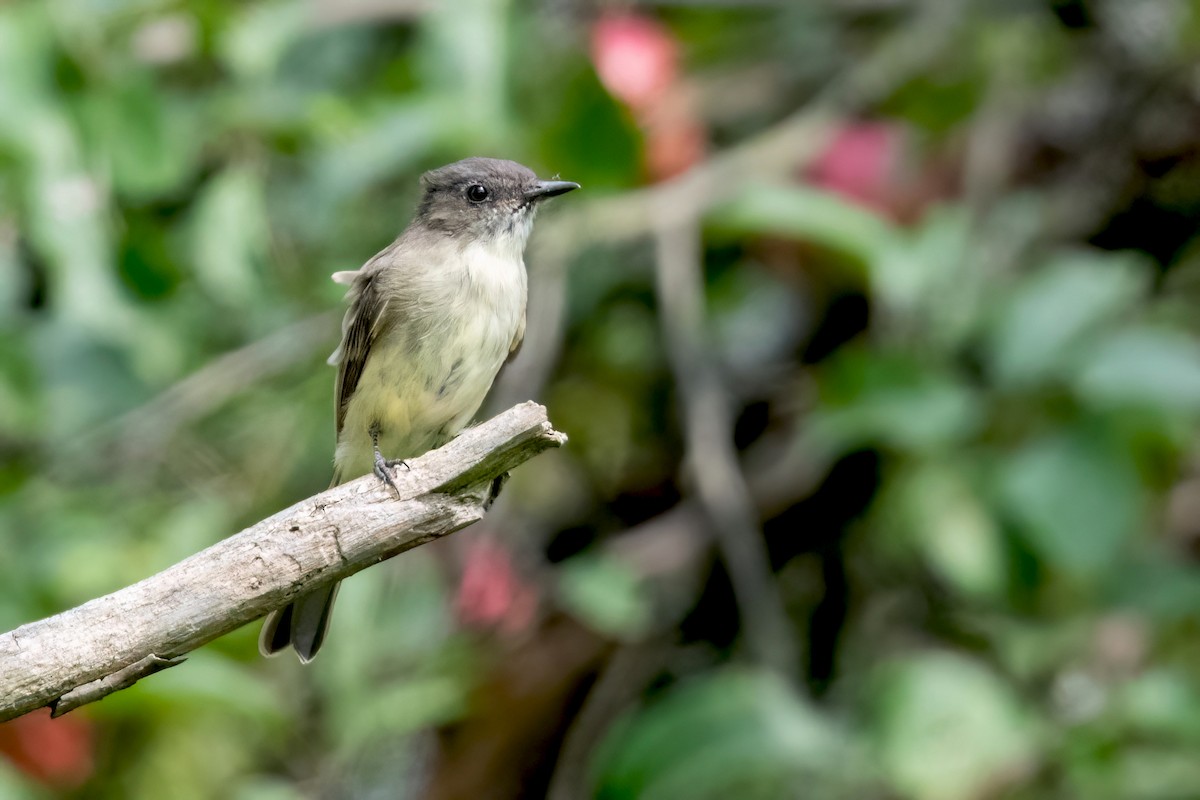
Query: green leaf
(15, 786)
(21, 410)
(370, 154)
(583, 132)
(946, 728)
(401, 707)
(957, 536)
(1153, 772)
(13, 275)
(732, 734)
(267, 788)
(1054, 310)
(1077, 497)
(605, 594)
(148, 140)
(258, 36)
(1158, 584)
(882, 399)
(26, 77)
(1142, 366)
(1162, 702)
(229, 235)
(464, 51)
(922, 280)
(816, 216)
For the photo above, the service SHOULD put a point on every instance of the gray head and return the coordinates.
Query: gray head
(484, 199)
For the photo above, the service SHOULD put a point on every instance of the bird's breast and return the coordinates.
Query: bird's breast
(431, 368)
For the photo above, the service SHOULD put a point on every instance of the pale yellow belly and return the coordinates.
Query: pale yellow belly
(418, 398)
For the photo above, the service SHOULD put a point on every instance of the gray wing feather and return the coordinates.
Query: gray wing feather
(360, 327)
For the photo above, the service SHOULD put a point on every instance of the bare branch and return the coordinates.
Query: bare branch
(109, 643)
(121, 679)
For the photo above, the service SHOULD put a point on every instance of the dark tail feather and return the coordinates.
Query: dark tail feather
(302, 624)
(276, 632)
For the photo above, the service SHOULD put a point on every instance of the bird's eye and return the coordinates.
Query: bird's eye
(477, 193)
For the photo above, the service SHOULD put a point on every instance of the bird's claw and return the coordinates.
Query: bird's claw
(382, 467)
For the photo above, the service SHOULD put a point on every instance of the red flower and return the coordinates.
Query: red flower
(56, 752)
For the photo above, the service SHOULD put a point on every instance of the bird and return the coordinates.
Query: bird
(431, 320)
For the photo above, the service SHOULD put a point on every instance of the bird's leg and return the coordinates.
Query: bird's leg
(382, 465)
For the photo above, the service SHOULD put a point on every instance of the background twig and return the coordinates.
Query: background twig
(708, 432)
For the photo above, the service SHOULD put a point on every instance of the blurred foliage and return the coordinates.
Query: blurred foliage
(961, 338)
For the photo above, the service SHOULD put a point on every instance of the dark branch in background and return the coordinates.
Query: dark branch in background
(712, 456)
(109, 643)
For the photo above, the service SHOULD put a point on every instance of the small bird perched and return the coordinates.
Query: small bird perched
(432, 319)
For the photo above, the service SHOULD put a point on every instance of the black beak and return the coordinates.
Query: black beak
(544, 189)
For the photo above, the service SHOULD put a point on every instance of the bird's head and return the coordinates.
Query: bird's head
(485, 200)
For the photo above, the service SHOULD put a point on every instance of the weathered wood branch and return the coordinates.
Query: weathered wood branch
(109, 643)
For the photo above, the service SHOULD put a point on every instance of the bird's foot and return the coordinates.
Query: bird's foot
(383, 467)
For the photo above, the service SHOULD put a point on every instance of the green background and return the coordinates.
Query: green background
(966, 406)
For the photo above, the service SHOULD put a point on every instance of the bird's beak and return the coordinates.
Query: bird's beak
(544, 189)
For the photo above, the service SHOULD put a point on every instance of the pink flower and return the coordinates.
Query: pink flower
(860, 163)
(491, 594)
(635, 57)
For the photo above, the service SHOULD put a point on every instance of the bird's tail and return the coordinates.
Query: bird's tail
(304, 622)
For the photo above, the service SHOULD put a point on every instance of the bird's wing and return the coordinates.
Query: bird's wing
(360, 327)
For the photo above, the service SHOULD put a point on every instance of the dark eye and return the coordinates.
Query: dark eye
(477, 193)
